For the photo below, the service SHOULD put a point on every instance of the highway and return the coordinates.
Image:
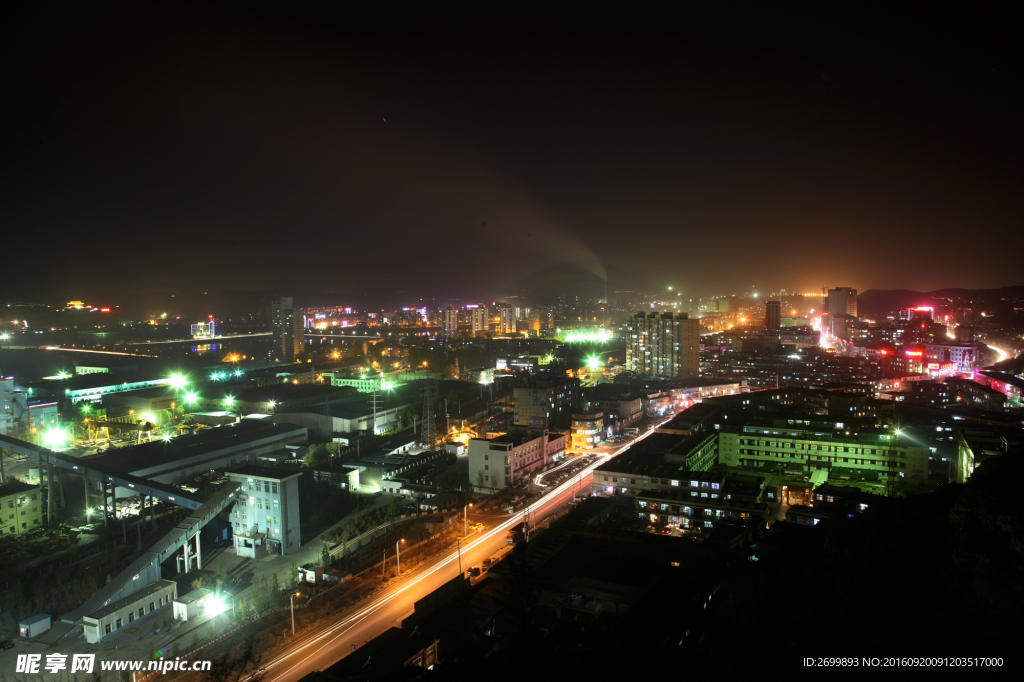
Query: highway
(326, 645)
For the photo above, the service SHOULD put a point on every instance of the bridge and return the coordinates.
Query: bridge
(145, 570)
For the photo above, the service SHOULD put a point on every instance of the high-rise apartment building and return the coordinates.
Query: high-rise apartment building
(664, 344)
(479, 320)
(451, 323)
(540, 319)
(772, 314)
(287, 327)
(506, 318)
(842, 301)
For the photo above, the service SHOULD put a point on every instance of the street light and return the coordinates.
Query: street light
(398, 557)
(291, 600)
(465, 527)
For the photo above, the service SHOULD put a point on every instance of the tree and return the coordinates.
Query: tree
(222, 577)
(293, 575)
(275, 593)
(325, 556)
(197, 583)
(318, 455)
(245, 666)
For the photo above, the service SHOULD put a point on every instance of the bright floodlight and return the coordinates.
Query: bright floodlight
(238, 372)
(55, 438)
(229, 400)
(593, 362)
(215, 606)
(5, 336)
(272, 403)
(167, 437)
(191, 398)
(177, 381)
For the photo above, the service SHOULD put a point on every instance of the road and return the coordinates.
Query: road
(329, 643)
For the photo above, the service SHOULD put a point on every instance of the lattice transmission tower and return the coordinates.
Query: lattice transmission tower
(428, 432)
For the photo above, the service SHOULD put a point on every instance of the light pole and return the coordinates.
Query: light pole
(458, 543)
(465, 526)
(398, 556)
(291, 600)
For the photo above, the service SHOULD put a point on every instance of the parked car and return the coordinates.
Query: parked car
(6, 644)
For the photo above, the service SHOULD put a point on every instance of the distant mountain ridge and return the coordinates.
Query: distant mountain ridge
(880, 301)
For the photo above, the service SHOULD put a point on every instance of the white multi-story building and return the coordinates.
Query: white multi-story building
(498, 463)
(265, 519)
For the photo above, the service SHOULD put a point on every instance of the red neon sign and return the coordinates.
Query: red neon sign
(104, 310)
(915, 353)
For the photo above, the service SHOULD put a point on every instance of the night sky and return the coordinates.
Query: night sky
(185, 147)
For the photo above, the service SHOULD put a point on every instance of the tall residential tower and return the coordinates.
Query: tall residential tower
(287, 327)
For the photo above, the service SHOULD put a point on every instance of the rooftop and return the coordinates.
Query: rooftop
(16, 487)
(132, 598)
(284, 392)
(160, 452)
(194, 595)
(256, 471)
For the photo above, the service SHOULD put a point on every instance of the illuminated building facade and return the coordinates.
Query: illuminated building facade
(287, 326)
(842, 301)
(204, 330)
(506, 318)
(20, 508)
(663, 344)
(796, 450)
(540, 320)
(587, 430)
(451, 323)
(498, 463)
(266, 517)
(479, 320)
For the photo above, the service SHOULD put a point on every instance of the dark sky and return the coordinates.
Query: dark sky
(172, 147)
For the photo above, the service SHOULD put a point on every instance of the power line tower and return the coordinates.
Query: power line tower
(428, 434)
(892, 465)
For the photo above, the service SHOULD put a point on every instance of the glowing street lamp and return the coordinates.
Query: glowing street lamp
(291, 600)
(229, 401)
(177, 381)
(398, 557)
(593, 362)
(272, 403)
(191, 399)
